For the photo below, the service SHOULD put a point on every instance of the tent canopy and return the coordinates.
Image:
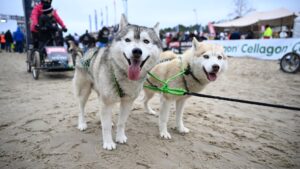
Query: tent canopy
(277, 17)
(296, 33)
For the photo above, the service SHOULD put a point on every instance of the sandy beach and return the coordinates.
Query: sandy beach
(38, 121)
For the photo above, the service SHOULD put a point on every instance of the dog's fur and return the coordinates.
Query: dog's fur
(75, 51)
(206, 62)
(125, 62)
(73, 48)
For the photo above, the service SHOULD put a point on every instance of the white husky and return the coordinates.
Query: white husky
(117, 74)
(201, 64)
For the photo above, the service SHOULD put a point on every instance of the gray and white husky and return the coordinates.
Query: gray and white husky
(117, 74)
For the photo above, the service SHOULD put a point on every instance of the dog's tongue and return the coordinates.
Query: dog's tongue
(211, 76)
(134, 70)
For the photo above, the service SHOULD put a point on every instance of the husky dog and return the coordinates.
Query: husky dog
(75, 51)
(117, 74)
(74, 48)
(201, 64)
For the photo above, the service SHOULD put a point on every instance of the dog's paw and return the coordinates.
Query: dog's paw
(152, 112)
(183, 130)
(122, 139)
(82, 126)
(165, 135)
(109, 145)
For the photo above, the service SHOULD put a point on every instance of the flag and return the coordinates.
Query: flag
(106, 9)
(115, 12)
(211, 29)
(101, 18)
(96, 19)
(90, 20)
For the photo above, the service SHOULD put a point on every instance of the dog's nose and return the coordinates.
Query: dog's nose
(215, 68)
(137, 53)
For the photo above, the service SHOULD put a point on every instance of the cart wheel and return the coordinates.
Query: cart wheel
(29, 60)
(290, 62)
(36, 65)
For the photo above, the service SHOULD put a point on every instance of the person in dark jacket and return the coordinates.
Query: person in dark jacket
(36, 12)
(19, 39)
(87, 41)
(48, 27)
(250, 35)
(9, 40)
(103, 37)
(235, 35)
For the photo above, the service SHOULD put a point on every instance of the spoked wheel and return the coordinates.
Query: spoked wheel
(36, 65)
(290, 62)
(29, 60)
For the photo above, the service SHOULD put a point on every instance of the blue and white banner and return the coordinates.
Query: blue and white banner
(271, 49)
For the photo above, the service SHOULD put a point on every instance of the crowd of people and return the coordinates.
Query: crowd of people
(12, 42)
(45, 32)
(174, 39)
(41, 33)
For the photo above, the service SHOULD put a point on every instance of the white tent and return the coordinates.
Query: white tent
(275, 17)
(296, 33)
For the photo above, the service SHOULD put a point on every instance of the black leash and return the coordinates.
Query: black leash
(244, 101)
(179, 91)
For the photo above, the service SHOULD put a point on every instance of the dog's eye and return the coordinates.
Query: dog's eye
(127, 40)
(146, 41)
(220, 57)
(206, 56)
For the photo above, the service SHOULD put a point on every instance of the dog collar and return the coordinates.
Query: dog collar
(187, 72)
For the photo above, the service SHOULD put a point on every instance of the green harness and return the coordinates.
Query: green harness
(85, 63)
(165, 87)
(180, 92)
(117, 86)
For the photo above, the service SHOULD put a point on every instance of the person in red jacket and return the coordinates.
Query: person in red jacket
(2, 41)
(36, 12)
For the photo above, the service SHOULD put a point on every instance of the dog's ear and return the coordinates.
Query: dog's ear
(123, 22)
(156, 28)
(195, 43)
(223, 52)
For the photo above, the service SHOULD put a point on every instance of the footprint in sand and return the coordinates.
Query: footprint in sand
(5, 125)
(37, 125)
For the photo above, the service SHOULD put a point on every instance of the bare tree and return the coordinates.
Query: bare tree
(241, 8)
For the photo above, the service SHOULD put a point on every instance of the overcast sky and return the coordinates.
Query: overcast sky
(75, 13)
